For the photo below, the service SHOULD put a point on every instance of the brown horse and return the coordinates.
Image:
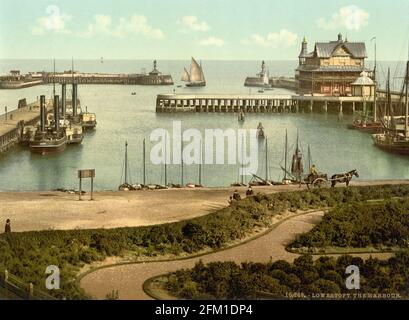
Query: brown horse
(343, 177)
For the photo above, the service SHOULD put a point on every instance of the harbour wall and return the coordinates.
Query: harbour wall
(12, 123)
(91, 78)
(102, 78)
(284, 83)
(19, 84)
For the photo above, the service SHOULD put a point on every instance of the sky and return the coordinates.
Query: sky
(206, 29)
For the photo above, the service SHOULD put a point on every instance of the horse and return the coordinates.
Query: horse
(343, 177)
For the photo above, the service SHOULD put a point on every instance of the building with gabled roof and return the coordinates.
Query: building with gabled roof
(331, 68)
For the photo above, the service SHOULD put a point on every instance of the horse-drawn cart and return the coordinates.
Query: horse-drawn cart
(321, 180)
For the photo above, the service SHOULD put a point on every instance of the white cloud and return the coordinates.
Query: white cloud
(192, 23)
(349, 17)
(54, 21)
(284, 38)
(136, 24)
(212, 41)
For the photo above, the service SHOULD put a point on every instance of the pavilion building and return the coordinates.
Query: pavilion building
(331, 68)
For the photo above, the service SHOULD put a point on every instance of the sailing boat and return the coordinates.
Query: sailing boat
(196, 77)
(296, 164)
(260, 131)
(257, 180)
(286, 180)
(199, 184)
(241, 169)
(394, 140)
(367, 124)
(293, 175)
(126, 186)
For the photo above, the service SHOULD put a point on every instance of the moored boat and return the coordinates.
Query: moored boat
(88, 120)
(48, 139)
(48, 144)
(367, 126)
(260, 131)
(394, 139)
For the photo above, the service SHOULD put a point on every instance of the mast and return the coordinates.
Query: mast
(296, 149)
(126, 162)
(285, 156)
(200, 164)
(375, 115)
(181, 159)
(406, 98)
(72, 69)
(54, 80)
(266, 160)
(242, 160)
(309, 158)
(166, 168)
(388, 90)
(144, 163)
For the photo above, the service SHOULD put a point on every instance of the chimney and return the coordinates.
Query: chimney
(43, 113)
(339, 37)
(74, 100)
(63, 99)
(56, 113)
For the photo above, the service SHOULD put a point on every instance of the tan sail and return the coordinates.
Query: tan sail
(185, 76)
(196, 72)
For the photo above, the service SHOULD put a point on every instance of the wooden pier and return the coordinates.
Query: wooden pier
(264, 103)
(12, 123)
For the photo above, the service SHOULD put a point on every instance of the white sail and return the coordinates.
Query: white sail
(196, 72)
(185, 75)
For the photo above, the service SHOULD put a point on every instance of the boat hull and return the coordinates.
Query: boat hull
(48, 146)
(396, 147)
(75, 139)
(375, 127)
(196, 84)
(89, 125)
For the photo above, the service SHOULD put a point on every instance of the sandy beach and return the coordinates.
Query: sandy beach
(62, 211)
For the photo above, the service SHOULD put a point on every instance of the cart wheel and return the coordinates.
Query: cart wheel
(320, 183)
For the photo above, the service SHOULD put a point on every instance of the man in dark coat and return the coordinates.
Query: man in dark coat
(7, 228)
(249, 192)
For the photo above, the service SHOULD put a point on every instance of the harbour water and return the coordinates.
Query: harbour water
(125, 117)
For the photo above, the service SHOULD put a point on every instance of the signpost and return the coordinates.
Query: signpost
(85, 174)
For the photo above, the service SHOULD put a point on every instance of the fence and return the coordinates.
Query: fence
(13, 288)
